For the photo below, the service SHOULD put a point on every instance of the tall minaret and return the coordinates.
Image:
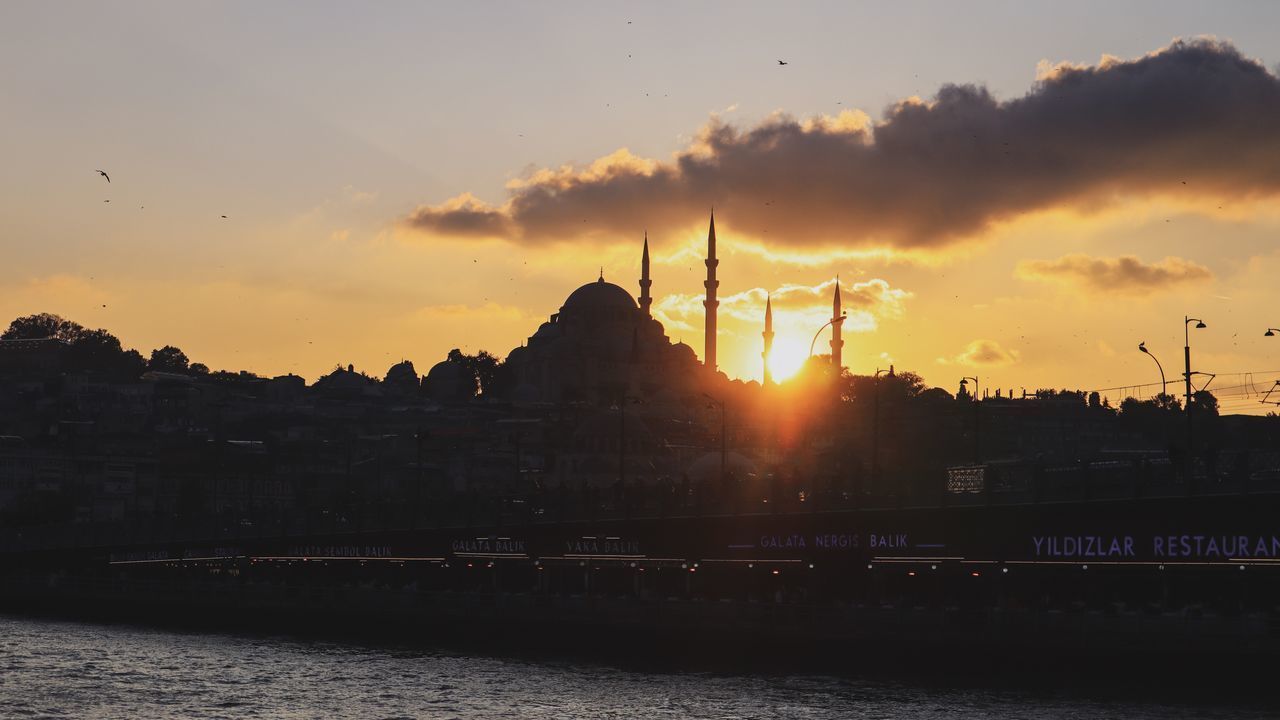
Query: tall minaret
(645, 282)
(768, 340)
(837, 343)
(709, 356)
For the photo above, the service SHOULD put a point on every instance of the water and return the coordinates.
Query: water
(67, 669)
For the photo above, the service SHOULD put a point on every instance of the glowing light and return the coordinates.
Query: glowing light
(787, 357)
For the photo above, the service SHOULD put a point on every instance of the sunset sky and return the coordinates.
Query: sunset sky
(1017, 191)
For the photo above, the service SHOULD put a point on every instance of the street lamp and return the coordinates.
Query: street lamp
(1271, 332)
(825, 325)
(1164, 386)
(875, 433)
(964, 382)
(1186, 356)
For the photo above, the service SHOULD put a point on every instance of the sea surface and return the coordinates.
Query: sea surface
(77, 670)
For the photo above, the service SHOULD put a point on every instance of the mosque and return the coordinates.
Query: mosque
(604, 345)
(622, 399)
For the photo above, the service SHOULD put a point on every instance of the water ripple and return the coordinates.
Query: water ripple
(63, 669)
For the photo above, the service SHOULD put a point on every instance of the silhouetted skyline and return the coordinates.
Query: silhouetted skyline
(262, 219)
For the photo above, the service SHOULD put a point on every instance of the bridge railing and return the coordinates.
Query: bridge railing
(993, 484)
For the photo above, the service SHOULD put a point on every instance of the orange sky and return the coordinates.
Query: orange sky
(1031, 274)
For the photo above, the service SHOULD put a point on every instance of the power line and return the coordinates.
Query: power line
(1156, 384)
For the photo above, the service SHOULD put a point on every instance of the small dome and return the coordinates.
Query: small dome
(448, 381)
(402, 372)
(599, 295)
(683, 353)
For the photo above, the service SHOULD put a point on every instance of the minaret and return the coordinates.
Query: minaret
(645, 282)
(709, 356)
(837, 343)
(768, 340)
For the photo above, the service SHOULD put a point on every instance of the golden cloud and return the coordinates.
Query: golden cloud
(1124, 275)
(804, 305)
(1194, 119)
(986, 353)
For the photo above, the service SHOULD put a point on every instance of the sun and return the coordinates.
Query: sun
(787, 357)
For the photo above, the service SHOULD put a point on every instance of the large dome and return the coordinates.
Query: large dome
(599, 295)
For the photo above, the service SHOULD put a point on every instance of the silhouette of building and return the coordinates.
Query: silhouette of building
(837, 320)
(711, 303)
(768, 340)
(601, 346)
(646, 300)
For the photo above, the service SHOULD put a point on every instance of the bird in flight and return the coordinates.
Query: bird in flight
(104, 174)
(224, 217)
(783, 63)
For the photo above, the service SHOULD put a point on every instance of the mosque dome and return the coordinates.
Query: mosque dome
(401, 377)
(402, 372)
(683, 353)
(597, 296)
(449, 381)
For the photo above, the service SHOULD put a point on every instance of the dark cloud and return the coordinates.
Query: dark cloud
(463, 216)
(1125, 275)
(1195, 118)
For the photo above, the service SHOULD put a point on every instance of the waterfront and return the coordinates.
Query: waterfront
(69, 669)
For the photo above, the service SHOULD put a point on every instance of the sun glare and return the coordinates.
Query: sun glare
(787, 357)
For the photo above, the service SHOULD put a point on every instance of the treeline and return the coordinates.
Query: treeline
(100, 351)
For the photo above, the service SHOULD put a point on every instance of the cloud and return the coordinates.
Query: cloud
(489, 311)
(1195, 118)
(1124, 275)
(463, 216)
(986, 352)
(805, 305)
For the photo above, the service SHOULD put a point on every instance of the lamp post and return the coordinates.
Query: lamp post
(875, 431)
(825, 325)
(977, 429)
(1186, 355)
(1164, 385)
(1271, 332)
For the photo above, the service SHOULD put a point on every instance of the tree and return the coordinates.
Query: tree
(130, 364)
(486, 368)
(43, 325)
(199, 369)
(1160, 404)
(1204, 402)
(96, 350)
(168, 359)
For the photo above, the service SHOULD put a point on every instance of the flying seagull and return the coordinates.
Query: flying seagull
(224, 217)
(104, 174)
(783, 63)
